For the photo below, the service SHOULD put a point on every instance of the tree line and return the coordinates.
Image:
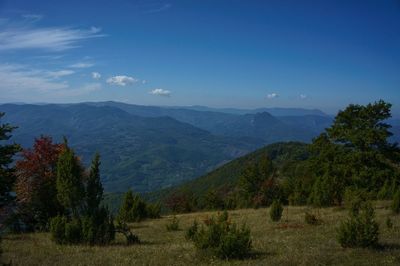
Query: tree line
(353, 156)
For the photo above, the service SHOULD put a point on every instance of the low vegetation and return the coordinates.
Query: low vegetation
(221, 237)
(360, 229)
(173, 225)
(396, 202)
(272, 244)
(276, 211)
(311, 218)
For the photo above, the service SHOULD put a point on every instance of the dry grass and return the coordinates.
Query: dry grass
(290, 242)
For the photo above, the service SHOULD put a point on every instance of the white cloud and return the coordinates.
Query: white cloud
(82, 65)
(96, 75)
(160, 92)
(26, 84)
(18, 79)
(18, 37)
(121, 80)
(303, 96)
(60, 73)
(272, 95)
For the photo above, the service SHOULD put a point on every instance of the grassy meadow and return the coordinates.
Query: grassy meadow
(289, 242)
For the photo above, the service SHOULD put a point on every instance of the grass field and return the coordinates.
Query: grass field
(290, 242)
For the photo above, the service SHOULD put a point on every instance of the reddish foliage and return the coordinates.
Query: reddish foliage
(181, 202)
(36, 168)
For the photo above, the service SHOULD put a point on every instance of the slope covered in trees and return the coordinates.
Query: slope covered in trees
(138, 152)
(283, 155)
(352, 157)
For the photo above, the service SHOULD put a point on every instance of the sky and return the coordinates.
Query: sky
(237, 53)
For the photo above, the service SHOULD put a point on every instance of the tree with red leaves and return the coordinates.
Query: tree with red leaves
(36, 183)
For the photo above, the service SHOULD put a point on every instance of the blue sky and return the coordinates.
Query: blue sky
(244, 54)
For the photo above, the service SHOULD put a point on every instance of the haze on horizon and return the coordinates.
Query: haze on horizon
(238, 54)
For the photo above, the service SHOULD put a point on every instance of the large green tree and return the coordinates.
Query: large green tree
(94, 188)
(70, 186)
(84, 220)
(7, 152)
(356, 151)
(133, 208)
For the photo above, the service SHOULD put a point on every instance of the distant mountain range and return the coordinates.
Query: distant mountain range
(259, 125)
(149, 148)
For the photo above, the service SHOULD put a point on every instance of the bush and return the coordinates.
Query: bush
(73, 232)
(98, 229)
(361, 229)
(64, 231)
(311, 219)
(57, 229)
(123, 228)
(153, 211)
(385, 192)
(135, 209)
(174, 225)
(389, 223)
(354, 197)
(221, 238)
(192, 230)
(396, 202)
(276, 211)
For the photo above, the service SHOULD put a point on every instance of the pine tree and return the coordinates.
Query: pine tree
(360, 229)
(124, 213)
(70, 188)
(94, 188)
(89, 223)
(356, 150)
(7, 176)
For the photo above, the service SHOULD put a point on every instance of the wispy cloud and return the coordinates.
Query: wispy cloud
(18, 37)
(60, 73)
(25, 83)
(272, 95)
(161, 92)
(157, 9)
(84, 89)
(17, 79)
(303, 96)
(96, 75)
(82, 65)
(121, 80)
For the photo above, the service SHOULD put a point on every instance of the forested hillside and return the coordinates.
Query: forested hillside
(139, 152)
(354, 154)
(283, 155)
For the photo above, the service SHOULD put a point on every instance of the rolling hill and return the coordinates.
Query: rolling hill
(282, 154)
(149, 148)
(140, 152)
(258, 124)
